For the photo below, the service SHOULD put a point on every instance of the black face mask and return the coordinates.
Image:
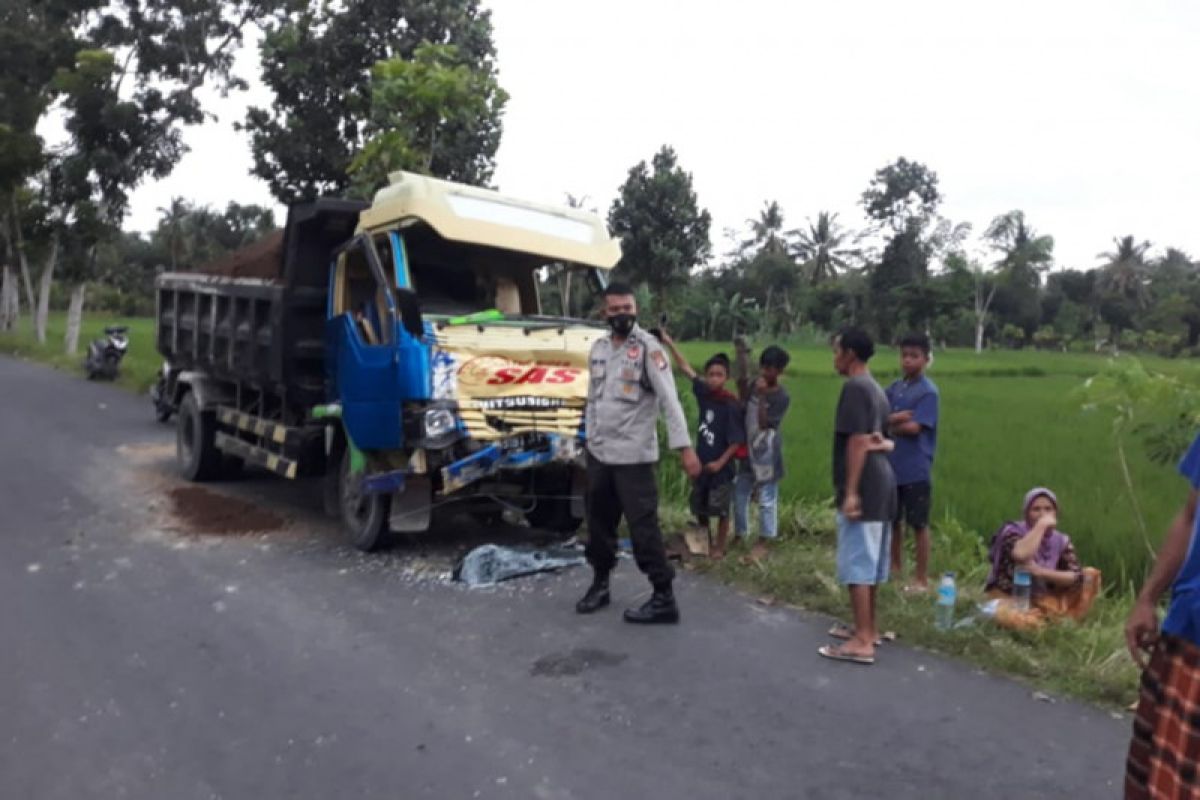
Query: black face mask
(622, 324)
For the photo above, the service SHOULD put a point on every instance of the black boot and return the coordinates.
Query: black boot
(596, 598)
(659, 609)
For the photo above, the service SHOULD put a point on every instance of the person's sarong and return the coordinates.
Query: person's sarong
(1164, 754)
(1074, 603)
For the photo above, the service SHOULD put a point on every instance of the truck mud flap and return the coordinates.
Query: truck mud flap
(412, 508)
(258, 456)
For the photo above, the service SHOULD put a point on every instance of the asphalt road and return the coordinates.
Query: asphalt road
(140, 660)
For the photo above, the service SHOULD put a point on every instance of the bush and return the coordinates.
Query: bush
(1163, 344)
(1046, 338)
(1013, 336)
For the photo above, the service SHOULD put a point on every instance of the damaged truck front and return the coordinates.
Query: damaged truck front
(425, 351)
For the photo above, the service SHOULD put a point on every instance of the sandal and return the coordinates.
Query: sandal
(841, 630)
(839, 654)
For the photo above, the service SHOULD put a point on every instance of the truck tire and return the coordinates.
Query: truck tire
(197, 456)
(365, 517)
(554, 514)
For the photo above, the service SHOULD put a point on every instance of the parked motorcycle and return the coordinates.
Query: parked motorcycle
(104, 354)
(160, 394)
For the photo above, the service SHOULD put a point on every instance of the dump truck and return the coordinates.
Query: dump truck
(421, 353)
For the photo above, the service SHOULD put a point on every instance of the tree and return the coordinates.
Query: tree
(902, 197)
(190, 236)
(1123, 285)
(416, 106)
(125, 78)
(983, 295)
(317, 59)
(1022, 250)
(766, 230)
(903, 267)
(1023, 256)
(1125, 270)
(902, 193)
(825, 248)
(663, 231)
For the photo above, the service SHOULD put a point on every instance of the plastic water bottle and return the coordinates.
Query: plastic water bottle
(947, 596)
(1022, 587)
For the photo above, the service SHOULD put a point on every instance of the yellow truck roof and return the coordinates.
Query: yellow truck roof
(469, 214)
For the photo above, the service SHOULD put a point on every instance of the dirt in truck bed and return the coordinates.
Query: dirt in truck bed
(263, 259)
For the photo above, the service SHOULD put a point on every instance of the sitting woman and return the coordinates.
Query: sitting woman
(1060, 587)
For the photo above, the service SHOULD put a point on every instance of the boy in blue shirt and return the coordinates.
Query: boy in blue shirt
(913, 425)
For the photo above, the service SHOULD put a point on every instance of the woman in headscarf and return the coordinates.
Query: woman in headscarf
(1060, 586)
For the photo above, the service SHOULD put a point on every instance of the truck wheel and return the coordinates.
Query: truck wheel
(554, 514)
(197, 456)
(365, 516)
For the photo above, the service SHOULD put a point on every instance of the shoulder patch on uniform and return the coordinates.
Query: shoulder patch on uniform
(659, 358)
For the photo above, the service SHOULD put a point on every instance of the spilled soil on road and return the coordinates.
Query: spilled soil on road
(199, 511)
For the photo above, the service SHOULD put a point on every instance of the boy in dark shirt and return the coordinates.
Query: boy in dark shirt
(719, 434)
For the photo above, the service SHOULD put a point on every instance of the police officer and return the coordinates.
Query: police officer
(631, 382)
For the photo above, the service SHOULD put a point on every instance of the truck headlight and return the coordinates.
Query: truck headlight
(438, 422)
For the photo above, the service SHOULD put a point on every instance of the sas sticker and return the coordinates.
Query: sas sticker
(659, 359)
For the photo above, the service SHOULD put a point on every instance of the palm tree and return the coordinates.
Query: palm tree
(825, 248)
(1023, 253)
(173, 222)
(766, 232)
(1125, 270)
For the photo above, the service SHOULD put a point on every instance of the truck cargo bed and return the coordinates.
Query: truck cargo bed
(262, 334)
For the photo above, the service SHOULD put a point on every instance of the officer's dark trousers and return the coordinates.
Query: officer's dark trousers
(629, 489)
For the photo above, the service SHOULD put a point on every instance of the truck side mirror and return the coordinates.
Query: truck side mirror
(410, 312)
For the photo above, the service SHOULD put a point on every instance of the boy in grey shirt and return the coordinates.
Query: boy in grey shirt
(866, 494)
(762, 467)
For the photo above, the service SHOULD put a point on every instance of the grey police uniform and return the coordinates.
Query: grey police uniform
(629, 385)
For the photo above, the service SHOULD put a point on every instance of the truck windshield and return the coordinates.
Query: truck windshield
(457, 278)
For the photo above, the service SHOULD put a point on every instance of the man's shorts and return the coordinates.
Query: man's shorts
(712, 495)
(863, 552)
(912, 504)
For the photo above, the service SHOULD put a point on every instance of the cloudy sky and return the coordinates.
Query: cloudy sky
(1086, 115)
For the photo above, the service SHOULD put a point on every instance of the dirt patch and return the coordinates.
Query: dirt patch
(574, 662)
(199, 511)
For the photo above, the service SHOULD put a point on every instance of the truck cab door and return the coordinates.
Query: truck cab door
(362, 332)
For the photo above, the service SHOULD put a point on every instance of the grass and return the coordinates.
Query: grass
(1088, 660)
(1009, 421)
(139, 368)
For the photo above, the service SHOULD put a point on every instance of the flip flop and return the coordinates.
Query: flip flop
(837, 654)
(841, 630)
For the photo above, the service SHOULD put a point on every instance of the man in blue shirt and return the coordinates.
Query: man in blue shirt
(913, 425)
(1164, 754)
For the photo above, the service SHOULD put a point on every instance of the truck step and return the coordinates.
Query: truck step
(258, 456)
(271, 431)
